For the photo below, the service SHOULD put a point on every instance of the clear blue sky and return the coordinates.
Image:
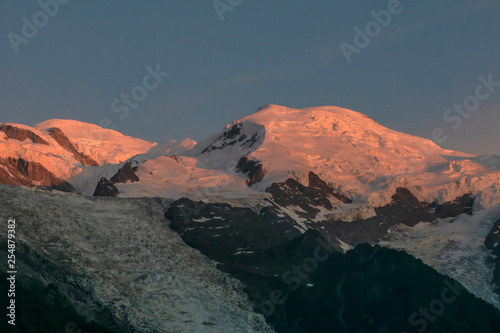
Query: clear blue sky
(91, 52)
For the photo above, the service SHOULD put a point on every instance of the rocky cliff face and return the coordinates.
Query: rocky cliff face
(461, 205)
(15, 171)
(21, 134)
(253, 169)
(105, 188)
(223, 232)
(66, 143)
(362, 225)
(119, 259)
(125, 174)
(404, 209)
(310, 199)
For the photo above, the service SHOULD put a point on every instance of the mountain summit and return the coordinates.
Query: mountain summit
(343, 146)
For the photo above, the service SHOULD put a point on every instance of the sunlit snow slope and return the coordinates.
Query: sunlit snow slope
(350, 151)
(63, 147)
(104, 145)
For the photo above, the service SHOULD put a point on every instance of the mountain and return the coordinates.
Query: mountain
(354, 154)
(58, 149)
(257, 196)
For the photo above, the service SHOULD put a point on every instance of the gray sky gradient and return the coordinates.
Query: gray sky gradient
(427, 59)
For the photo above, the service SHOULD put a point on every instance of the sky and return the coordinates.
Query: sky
(162, 70)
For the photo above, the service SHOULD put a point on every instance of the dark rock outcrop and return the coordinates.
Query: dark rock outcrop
(403, 209)
(227, 138)
(64, 187)
(459, 206)
(302, 283)
(222, 231)
(125, 174)
(492, 242)
(318, 186)
(20, 172)
(233, 136)
(172, 157)
(105, 188)
(58, 135)
(21, 134)
(252, 168)
(308, 198)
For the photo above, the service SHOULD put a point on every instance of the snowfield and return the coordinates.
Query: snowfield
(122, 257)
(454, 247)
(355, 154)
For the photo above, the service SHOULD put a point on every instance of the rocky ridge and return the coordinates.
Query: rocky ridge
(58, 135)
(24, 173)
(21, 134)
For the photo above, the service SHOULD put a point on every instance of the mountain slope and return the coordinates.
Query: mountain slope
(120, 261)
(105, 146)
(343, 147)
(60, 149)
(353, 154)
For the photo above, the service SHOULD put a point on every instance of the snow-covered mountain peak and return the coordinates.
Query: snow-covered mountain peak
(59, 149)
(346, 148)
(335, 122)
(103, 145)
(188, 143)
